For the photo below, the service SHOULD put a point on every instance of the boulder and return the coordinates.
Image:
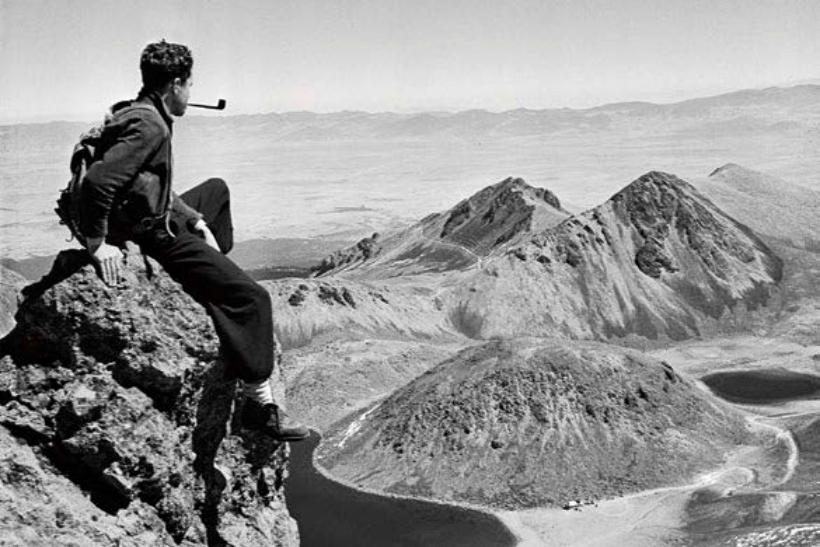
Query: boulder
(118, 397)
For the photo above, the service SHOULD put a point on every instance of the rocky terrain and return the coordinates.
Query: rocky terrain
(534, 422)
(657, 260)
(116, 423)
(10, 285)
(407, 351)
(311, 311)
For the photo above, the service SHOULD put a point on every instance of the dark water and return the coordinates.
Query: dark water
(763, 386)
(332, 515)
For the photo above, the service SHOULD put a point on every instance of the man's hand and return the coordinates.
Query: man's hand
(108, 258)
(206, 234)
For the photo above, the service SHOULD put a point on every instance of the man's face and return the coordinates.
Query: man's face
(180, 93)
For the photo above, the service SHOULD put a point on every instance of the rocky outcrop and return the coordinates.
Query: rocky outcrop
(10, 285)
(528, 423)
(363, 251)
(313, 310)
(499, 213)
(117, 415)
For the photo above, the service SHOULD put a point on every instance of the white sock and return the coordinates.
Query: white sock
(259, 391)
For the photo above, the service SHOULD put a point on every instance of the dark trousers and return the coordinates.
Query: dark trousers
(240, 307)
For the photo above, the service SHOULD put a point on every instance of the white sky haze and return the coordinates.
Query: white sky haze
(70, 59)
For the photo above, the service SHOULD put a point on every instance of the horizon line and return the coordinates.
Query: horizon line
(80, 119)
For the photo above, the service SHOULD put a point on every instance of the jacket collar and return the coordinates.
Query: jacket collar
(154, 98)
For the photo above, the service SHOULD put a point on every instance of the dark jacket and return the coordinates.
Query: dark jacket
(128, 188)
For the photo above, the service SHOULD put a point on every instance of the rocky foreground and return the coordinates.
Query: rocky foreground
(117, 424)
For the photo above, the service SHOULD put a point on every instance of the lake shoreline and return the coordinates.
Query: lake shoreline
(486, 512)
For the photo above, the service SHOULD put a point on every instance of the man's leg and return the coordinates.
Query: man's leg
(242, 316)
(213, 199)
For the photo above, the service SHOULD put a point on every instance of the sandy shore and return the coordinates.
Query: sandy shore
(646, 520)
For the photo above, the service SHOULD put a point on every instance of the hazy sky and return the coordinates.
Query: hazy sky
(69, 59)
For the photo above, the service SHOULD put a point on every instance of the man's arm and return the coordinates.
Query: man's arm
(137, 139)
(178, 205)
(107, 257)
(193, 219)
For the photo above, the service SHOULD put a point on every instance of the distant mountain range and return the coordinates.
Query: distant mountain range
(774, 108)
(764, 110)
(296, 173)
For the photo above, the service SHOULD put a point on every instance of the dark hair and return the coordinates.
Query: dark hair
(161, 62)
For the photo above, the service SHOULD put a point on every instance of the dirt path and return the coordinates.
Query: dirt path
(479, 258)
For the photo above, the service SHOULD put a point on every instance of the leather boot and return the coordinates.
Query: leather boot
(271, 420)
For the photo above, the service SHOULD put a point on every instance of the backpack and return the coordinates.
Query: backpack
(69, 204)
(86, 152)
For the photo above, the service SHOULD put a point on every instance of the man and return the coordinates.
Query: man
(127, 195)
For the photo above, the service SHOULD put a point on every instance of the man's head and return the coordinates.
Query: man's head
(167, 69)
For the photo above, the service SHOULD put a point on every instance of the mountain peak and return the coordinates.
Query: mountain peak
(457, 239)
(728, 168)
(658, 259)
(498, 213)
(654, 181)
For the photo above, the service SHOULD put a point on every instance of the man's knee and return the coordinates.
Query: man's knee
(218, 187)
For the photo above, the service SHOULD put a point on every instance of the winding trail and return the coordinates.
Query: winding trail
(479, 258)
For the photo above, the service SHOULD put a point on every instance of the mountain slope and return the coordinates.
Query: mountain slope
(476, 227)
(531, 422)
(658, 260)
(767, 204)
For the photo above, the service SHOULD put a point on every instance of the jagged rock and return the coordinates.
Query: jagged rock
(10, 285)
(500, 212)
(361, 252)
(123, 391)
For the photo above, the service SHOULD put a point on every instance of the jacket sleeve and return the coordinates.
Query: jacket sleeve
(137, 138)
(187, 212)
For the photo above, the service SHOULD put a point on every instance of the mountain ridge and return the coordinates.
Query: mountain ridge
(424, 122)
(476, 227)
(658, 260)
